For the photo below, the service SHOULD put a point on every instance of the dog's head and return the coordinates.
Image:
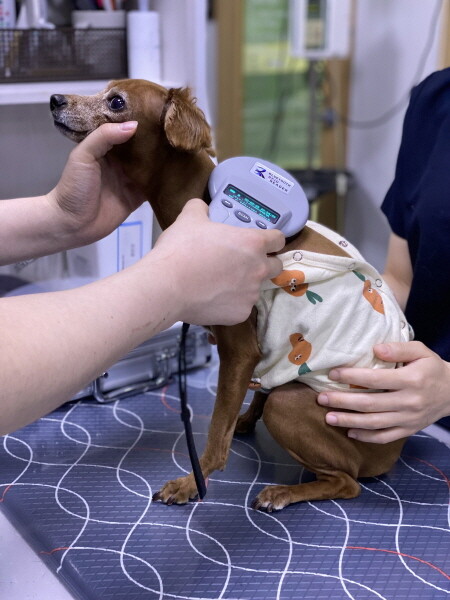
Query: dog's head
(172, 113)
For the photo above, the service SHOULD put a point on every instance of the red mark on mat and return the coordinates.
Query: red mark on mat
(2, 499)
(54, 550)
(434, 467)
(425, 562)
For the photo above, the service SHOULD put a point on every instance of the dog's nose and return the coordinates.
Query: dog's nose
(57, 101)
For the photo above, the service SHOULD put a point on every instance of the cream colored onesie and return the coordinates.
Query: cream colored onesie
(321, 312)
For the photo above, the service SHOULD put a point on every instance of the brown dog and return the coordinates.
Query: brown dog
(169, 160)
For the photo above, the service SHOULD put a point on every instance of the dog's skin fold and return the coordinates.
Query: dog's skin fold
(169, 160)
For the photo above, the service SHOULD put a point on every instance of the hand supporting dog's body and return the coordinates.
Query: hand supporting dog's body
(168, 160)
(415, 395)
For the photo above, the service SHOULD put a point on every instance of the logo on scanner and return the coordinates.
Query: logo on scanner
(272, 177)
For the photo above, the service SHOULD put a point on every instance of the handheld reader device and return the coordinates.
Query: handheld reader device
(252, 192)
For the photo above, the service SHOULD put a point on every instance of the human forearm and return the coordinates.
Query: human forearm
(399, 288)
(398, 271)
(29, 229)
(52, 345)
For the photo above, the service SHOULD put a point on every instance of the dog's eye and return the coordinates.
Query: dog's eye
(116, 103)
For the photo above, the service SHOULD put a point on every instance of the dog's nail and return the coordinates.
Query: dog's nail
(323, 399)
(331, 419)
(334, 375)
(156, 496)
(128, 125)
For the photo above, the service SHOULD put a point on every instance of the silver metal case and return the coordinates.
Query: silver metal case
(150, 365)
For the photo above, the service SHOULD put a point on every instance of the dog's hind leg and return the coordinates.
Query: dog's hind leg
(331, 485)
(247, 421)
(297, 423)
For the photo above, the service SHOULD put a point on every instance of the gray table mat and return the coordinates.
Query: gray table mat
(78, 485)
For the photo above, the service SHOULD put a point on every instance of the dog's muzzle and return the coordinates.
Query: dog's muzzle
(58, 104)
(57, 101)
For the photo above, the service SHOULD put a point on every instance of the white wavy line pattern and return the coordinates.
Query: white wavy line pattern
(83, 480)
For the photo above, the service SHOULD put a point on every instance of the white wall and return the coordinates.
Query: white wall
(32, 156)
(390, 40)
(32, 152)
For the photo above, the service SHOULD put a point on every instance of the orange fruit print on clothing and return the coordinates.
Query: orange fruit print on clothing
(373, 297)
(291, 282)
(301, 349)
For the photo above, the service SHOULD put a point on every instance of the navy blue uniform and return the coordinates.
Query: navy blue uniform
(417, 206)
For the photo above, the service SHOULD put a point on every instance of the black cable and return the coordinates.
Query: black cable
(186, 414)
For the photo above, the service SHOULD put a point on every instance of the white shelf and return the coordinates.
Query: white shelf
(183, 26)
(40, 92)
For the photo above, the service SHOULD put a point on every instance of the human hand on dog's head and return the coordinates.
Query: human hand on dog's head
(216, 270)
(93, 196)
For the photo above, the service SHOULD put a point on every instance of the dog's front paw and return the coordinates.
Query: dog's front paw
(177, 491)
(273, 497)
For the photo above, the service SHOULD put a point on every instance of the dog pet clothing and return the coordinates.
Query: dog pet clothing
(321, 312)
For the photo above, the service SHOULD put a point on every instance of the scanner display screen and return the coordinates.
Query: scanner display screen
(251, 203)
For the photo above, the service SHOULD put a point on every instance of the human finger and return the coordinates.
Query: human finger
(102, 139)
(275, 266)
(402, 352)
(370, 421)
(194, 207)
(375, 379)
(372, 402)
(273, 240)
(380, 436)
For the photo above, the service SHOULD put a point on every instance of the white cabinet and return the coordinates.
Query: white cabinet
(33, 153)
(183, 25)
(184, 45)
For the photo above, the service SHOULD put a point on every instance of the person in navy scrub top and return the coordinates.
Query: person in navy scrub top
(417, 207)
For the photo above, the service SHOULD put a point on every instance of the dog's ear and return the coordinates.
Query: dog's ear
(185, 125)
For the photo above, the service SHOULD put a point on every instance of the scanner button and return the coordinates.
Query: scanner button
(242, 216)
(227, 203)
(261, 224)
